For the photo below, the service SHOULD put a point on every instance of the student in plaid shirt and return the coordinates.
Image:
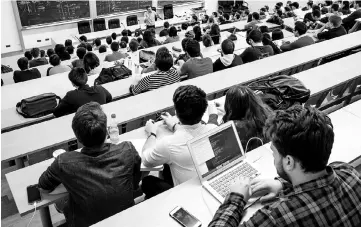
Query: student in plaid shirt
(308, 192)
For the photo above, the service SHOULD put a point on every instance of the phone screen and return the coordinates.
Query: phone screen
(33, 194)
(185, 218)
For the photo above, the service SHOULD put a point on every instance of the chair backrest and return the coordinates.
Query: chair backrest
(84, 27)
(168, 11)
(132, 20)
(113, 23)
(99, 24)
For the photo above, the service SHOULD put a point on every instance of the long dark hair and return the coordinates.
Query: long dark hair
(243, 104)
(148, 38)
(91, 61)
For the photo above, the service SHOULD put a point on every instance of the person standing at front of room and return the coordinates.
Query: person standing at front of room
(150, 16)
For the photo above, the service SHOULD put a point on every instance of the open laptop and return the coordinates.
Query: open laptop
(219, 159)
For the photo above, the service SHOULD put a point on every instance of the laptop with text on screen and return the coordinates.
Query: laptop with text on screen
(219, 159)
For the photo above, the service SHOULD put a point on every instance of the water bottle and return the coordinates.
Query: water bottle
(130, 62)
(113, 129)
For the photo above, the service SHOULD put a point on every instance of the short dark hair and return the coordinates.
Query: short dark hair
(133, 45)
(123, 44)
(335, 7)
(125, 32)
(304, 133)
(42, 53)
(82, 45)
(207, 40)
(173, 31)
(279, 13)
(50, 52)
(316, 13)
(193, 48)
(114, 46)
(125, 39)
(148, 6)
(227, 46)
(28, 55)
(97, 42)
(255, 35)
(163, 59)
(316, 7)
(232, 37)
(54, 60)
(68, 42)
(83, 38)
(166, 24)
(190, 103)
(59, 49)
(280, 4)
(91, 61)
(263, 29)
(69, 49)
(102, 49)
(255, 15)
(335, 20)
(184, 26)
(89, 47)
(90, 125)
(184, 43)
(23, 63)
(114, 36)
(300, 27)
(109, 40)
(35, 52)
(277, 34)
(80, 52)
(226, 16)
(221, 19)
(78, 76)
(295, 4)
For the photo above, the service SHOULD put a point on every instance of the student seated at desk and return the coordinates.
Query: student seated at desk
(82, 94)
(335, 29)
(184, 57)
(228, 59)
(254, 22)
(37, 60)
(190, 103)
(311, 18)
(350, 21)
(166, 74)
(257, 50)
(61, 52)
(70, 50)
(25, 73)
(102, 49)
(57, 66)
(172, 36)
(345, 8)
(50, 52)
(197, 33)
(276, 18)
(28, 55)
(248, 112)
(215, 33)
(97, 43)
(100, 179)
(116, 55)
(295, 6)
(91, 63)
(149, 40)
(108, 40)
(303, 39)
(83, 38)
(308, 192)
(80, 52)
(165, 31)
(197, 65)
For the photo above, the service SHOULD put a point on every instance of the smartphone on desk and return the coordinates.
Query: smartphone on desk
(184, 218)
(33, 194)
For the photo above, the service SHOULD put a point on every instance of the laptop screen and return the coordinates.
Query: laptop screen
(215, 151)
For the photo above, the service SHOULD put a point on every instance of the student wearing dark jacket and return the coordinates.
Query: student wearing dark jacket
(228, 58)
(81, 95)
(276, 18)
(303, 39)
(335, 29)
(350, 21)
(257, 49)
(25, 73)
(100, 179)
(37, 60)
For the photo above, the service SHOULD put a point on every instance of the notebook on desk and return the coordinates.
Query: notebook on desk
(219, 159)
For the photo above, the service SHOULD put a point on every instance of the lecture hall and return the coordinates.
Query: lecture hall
(180, 113)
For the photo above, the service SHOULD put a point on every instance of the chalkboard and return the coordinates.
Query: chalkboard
(177, 2)
(44, 12)
(111, 6)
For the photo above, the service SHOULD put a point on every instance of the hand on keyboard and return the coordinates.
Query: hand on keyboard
(242, 186)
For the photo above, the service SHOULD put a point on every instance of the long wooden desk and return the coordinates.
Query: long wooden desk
(190, 194)
(58, 131)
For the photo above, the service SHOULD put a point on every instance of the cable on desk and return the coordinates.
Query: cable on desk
(32, 216)
(245, 151)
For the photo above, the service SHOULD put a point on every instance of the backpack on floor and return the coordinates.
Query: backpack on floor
(281, 92)
(112, 74)
(37, 106)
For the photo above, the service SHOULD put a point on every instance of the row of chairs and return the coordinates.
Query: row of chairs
(99, 23)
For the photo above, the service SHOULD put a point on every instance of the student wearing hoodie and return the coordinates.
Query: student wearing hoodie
(82, 94)
(228, 59)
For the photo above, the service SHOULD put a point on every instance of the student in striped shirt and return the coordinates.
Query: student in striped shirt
(165, 75)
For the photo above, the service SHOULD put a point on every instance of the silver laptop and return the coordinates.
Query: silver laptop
(219, 159)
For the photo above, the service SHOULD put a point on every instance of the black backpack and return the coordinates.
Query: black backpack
(37, 106)
(6, 69)
(281, 92)
(112, 74)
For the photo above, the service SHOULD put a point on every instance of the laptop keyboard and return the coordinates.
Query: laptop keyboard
(222, 184)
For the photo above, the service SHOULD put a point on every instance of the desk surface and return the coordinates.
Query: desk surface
(354, 108)
(59, 130)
